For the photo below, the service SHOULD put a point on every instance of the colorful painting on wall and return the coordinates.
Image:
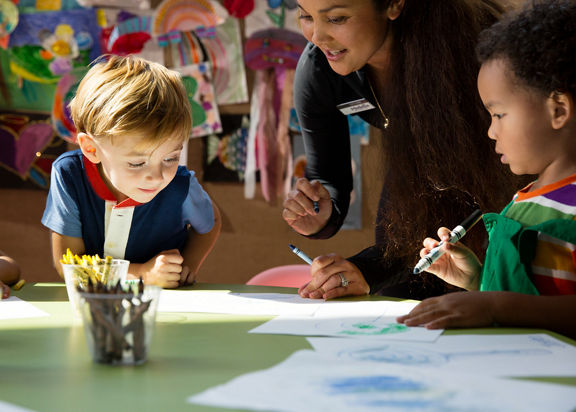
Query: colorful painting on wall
(28, 147)
(44, 46)
(226, 152)
(198, 82)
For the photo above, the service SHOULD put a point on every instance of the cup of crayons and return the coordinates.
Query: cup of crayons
(118, 320)
(78, 271)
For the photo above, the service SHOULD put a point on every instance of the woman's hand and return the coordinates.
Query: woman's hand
(458, 266)
(326, 282)
(453, 310)
(299, 207)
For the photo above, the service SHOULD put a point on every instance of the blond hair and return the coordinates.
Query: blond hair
(127, 94)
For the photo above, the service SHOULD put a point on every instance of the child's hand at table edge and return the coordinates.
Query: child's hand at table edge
(164, 269)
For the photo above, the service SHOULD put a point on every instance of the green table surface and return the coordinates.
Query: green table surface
(45, 364)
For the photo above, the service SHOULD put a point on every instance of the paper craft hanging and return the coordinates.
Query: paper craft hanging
(273, 54)
(205, 115)
(184, 15)
(228, 69)
(129, 36)
(239, 8)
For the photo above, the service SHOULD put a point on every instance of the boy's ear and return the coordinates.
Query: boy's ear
(561, 108)
(88, 147)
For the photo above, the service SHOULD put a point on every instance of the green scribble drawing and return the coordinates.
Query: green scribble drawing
(371, 329)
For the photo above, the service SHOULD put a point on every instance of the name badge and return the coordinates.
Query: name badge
(355, 106)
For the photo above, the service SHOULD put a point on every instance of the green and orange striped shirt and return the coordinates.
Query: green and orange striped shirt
(554, 266)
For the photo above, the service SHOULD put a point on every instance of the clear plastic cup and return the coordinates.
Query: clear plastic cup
(119, 325)
(76, 276)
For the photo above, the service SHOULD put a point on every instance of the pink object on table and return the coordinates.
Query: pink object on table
(292, 276)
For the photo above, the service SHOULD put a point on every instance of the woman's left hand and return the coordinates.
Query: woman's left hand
(328, 273)
(453, 310)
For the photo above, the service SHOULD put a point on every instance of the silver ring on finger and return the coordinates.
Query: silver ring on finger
(343, 281)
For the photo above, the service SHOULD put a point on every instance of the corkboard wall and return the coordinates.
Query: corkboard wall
(255, 237)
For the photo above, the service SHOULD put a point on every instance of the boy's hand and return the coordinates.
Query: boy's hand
(4, 290)
(187, 277)
(165, 269)
(458, 266)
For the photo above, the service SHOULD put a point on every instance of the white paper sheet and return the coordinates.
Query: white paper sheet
(16, 308)
(309, 381)
(491, 355)
(8, 407)
(371, 320)
(236, 303)
(363, 327)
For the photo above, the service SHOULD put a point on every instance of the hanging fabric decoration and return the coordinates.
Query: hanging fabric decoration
(273, 54)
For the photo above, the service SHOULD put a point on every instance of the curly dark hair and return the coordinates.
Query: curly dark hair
(441, 165)
(538, 43)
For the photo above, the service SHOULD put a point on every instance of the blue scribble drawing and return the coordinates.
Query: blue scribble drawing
(547, 341)
(427, 357)
(388, 392)
(378, 383)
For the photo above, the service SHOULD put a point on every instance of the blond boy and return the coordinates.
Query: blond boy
(123, 193)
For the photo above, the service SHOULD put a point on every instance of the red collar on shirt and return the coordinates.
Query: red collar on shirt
(100, 187)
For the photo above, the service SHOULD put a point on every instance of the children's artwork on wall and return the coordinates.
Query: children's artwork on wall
(184, 48)
(65, 91)
(47, 45)
(222, 47)
(229, 71)
(30, 6)
(273, 55)
(198, 83)
(129, 34)
(28, 147)
(239, 8)
(226, 152)
(8, 21)
(282, 14)
(126, 4)
(184, 15)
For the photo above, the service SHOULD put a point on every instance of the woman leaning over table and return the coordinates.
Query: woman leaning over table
(414, 62)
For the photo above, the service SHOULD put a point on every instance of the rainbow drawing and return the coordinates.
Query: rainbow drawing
(183, 15)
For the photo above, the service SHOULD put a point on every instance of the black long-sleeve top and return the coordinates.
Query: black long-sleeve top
(317, 92)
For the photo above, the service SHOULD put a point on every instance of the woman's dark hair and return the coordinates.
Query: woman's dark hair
(440, 163)
(538, 44)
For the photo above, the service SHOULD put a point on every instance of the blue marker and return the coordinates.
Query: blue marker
(457, 233)
(300, 254)
(316, 206)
